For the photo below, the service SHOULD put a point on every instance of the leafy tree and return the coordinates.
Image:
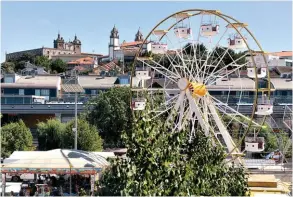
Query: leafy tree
(88, 138)
(161, 162)
(15, 137)
(59, 66)
(8, 67)
(43, 61)
(111, 114)
(20, 61)
(51, 134)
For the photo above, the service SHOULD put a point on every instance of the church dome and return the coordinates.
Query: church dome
(114, 33)
(76, 41)
(138, 36)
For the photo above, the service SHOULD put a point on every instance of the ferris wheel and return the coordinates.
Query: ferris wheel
(206, 66)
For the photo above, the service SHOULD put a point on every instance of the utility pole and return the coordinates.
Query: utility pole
(75, 138)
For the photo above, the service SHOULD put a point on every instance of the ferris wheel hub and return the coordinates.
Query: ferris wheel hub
(183, 84)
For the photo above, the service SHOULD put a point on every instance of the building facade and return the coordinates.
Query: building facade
(126, 50)
(60, 49)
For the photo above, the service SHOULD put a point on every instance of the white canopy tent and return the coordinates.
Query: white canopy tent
(54, 160)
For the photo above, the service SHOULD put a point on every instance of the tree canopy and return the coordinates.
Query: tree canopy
(15, 137)
(53, 134)
(58, 65)
(88, 138)
(18, 63)
(111, 114)
(165, 163)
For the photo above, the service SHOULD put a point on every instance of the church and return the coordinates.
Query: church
(126, 50)
(67, 51)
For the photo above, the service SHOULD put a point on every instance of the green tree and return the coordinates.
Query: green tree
(43, 61)
(58, 65)
(161, 162)
(8, 67)
(88, 138)
(15, 137)
(111, 114)
(51, 134)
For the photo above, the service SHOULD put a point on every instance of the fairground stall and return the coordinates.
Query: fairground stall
(67, 171)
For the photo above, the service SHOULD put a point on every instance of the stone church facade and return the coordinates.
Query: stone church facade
(60, 48)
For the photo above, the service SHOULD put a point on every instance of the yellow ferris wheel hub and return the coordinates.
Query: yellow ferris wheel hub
(196, 89)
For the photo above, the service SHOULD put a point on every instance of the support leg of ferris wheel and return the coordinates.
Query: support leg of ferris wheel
(224, 132)
(194, 108)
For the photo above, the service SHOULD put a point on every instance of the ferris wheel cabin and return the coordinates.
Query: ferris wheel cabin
(142, 74)
(209, 30)
(264, 109)
(254, 144)
(182, 32)
(236, 42)
(138, 104)
(251, 72)
(159, 48)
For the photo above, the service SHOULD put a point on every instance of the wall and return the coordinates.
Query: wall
(29, 91)
(20, 53)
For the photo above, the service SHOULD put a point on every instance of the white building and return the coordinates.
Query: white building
(273, 59)
(117, 50)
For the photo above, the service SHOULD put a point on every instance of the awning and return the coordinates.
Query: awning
(58, 162)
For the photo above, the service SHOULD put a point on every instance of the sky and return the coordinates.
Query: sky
(29, 25)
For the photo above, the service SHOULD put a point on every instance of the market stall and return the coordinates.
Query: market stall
(58, 162)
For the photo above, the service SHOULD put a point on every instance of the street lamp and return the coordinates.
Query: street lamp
(73, 88)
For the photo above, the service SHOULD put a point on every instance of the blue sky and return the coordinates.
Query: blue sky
(28, 25)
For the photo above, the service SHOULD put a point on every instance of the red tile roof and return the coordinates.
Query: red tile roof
(282, 53)
(85, 60)
(126, 44)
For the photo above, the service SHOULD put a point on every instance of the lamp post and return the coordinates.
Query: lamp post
(73, 88)
(75, 138)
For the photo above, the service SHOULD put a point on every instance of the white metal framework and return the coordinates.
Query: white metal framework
(190, 72)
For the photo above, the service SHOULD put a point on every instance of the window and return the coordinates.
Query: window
(45, 92)
(2, 91)
(93, 92)
(21, 91)
(37, 92)
(289, 64)
(8, 80)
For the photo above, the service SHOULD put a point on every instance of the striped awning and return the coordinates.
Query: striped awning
(70, 88)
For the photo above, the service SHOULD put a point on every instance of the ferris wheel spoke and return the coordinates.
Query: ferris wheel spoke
(195, 109)
(231, 111)
(233, 63)
(188, 65)
(183, 66)
(227, 73)
(176, 106)
(174, 67)
(217, 45)
(162, 70)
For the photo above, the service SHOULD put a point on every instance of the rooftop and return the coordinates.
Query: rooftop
(281, 84)
(96, 81)
(42, 81)
(85, 60)
(282, 53)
